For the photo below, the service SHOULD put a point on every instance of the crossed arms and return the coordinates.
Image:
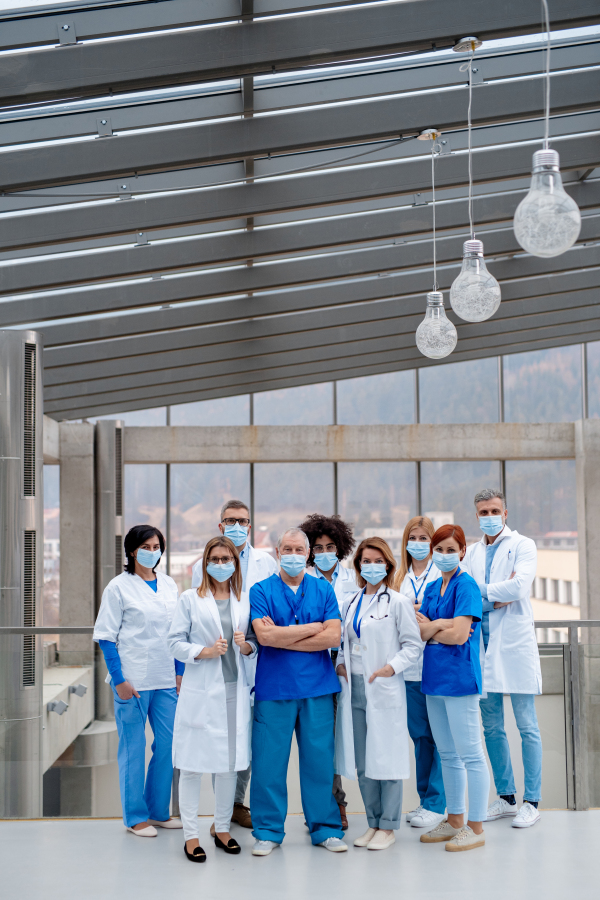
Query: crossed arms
(445, 631)
(306, 638)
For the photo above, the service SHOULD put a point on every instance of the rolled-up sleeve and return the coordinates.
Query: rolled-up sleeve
(110, 616)
(178, 638)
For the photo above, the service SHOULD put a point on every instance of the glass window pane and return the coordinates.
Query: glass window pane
(540, 496)
(284, 493)
(198, 491)
(51, 545)
(224, 411)
(311, 404)
(459, 392)
(387, 399)
(593, 374)
(448, 489)
(543, 385)
(145, 497)
(377, 498)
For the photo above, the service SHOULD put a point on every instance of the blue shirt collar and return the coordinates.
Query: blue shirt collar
(319, 574)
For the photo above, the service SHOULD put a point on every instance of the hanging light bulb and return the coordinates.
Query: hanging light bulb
(547, 221)
(436, 335)
(475, 293)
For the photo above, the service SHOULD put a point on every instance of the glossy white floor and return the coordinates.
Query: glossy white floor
(98, 860)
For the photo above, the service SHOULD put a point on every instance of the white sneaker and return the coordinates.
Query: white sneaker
(427, 819)
(148, 831)
(527, 816)
(334, 844)
(263, 848)
(414, 812)
(381, 841)
(500, 809)
(364, 839)
(168, 823)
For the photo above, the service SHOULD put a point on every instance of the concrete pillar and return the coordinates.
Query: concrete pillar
(77, 540)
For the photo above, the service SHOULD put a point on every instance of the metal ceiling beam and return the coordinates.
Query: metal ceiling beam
(221, 249)
(258, 46)
(284, 303)
(144, 353)
(33, 308)
(397, 350)
(223, 99)
(394, 178)
(213, 142)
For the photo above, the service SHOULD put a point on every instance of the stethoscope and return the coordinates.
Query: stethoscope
(378, 618)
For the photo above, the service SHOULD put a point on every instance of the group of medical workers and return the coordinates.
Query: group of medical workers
(353, 659)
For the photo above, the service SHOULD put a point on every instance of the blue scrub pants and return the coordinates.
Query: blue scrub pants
(151, 800)
(430, 781)
(274, 724)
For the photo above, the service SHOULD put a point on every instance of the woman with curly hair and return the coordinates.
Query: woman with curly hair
(331, 540)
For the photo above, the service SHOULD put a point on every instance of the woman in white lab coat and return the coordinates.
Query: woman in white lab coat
(380, 640)
(131, 628)
(415, 571)
(210, 633)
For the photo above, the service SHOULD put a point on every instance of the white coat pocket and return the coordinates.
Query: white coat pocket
(192, 707)
(516, 634)
(385, 693)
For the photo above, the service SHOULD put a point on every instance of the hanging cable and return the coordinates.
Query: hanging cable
(433, 145)
(547, 113)
(468, 67)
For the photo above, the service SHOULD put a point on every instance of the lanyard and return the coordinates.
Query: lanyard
(292, 598)
(416, 593)
(356, 623)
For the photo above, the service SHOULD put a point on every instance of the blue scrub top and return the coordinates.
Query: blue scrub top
(453, 670)
(291, 674)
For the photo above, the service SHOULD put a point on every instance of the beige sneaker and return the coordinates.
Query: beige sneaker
(364, 839)
(466, 839)
(442, 832)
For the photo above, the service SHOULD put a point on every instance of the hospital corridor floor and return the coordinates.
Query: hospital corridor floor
(71, 859)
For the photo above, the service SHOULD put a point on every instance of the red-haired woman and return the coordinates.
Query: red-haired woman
(449, 620)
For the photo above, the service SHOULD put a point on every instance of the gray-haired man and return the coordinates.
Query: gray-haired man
(503, 564)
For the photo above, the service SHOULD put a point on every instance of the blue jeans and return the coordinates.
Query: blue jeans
(492, 716)
(150, 800)
(274, 724)
(455, 725)
(430, 782)
(382, 799)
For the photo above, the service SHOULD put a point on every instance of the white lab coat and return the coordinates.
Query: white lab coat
(344, 582)
(512, 662)
(200, 736)
(415, 673)
(393, 638)
(138, 621)
(261, 565)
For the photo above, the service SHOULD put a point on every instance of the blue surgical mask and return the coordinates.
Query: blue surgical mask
(148, 558)
(418, 549)
(446, 561)
(236, 533)
(325, 561)
(293, 564)
(373, 572)
(220, 571)
(491, 525)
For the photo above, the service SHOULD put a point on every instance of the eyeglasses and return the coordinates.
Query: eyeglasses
(243, 522)
(220, 560)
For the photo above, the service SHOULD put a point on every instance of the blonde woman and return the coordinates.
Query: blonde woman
(210, 634)
(415, 572)
(380, 641)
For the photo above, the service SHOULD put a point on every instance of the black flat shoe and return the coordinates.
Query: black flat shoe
(197, 854)
(231, 846)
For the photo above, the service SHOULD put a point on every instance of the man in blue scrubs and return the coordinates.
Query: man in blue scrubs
(296, 620)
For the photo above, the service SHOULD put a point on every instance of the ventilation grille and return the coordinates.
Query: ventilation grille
(29, 421)
(29, 607)
(118, 471)
(118, 554)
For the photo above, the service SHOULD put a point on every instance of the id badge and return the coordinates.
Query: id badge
(356, 650)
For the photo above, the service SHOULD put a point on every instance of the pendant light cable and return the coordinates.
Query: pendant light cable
(433, 146)
(468, 67)
(547, 116)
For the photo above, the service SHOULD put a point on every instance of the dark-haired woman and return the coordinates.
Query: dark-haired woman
(330, 541)
(211, 633)
(449, 620)
(131, 628)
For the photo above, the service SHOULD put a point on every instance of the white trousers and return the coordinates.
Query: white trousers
(224, 783)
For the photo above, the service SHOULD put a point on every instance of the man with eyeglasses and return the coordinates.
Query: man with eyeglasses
(256, 566)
